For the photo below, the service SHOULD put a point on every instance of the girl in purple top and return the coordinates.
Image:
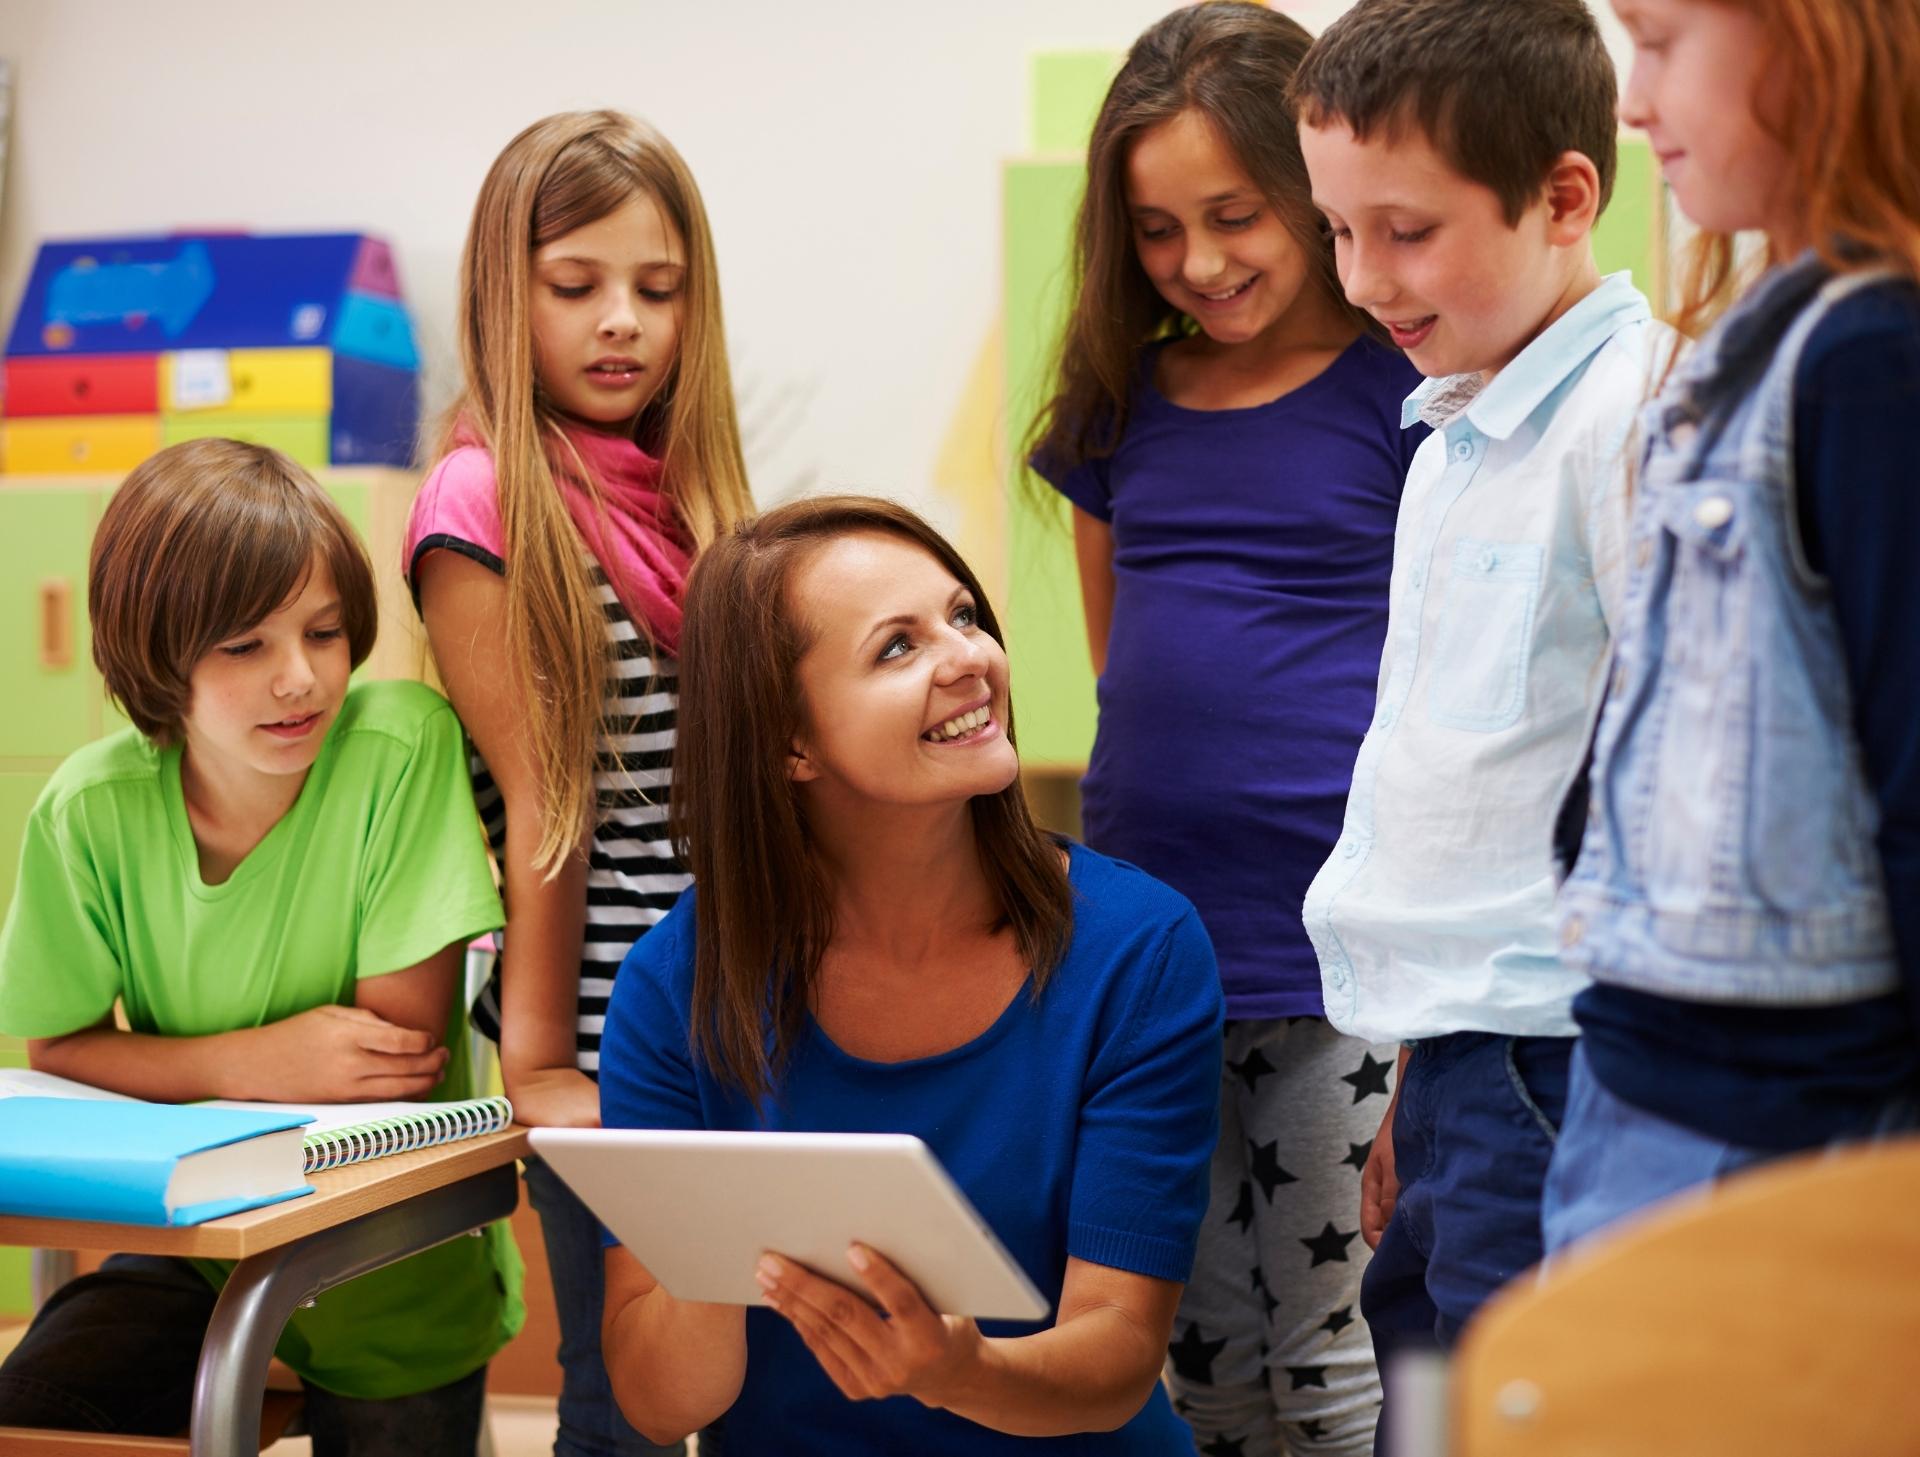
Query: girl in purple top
(1229, 433)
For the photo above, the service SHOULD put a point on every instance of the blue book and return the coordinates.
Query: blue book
(145, 1163)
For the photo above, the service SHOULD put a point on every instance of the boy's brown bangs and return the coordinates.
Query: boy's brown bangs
(203, 541)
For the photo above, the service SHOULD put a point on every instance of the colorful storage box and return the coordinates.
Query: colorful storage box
(123, 345)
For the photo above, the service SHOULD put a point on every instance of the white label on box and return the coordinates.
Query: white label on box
(201, 379)
(309, 320)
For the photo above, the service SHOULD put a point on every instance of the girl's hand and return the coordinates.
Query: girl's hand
(1379, 1184)
(554, 1097)
(338, 1055)
(907, 1351)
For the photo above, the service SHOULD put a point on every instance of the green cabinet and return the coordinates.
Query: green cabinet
(46, 671)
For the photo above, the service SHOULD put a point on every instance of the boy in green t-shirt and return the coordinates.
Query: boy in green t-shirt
(275, 875)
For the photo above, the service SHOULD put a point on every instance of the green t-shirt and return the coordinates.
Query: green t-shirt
(379, 863)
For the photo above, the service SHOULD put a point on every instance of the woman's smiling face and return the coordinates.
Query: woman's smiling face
(903, 693)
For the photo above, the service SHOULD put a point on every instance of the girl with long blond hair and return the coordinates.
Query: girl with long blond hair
(1747, 891)
(593, 451)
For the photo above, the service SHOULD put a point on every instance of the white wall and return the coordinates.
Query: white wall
(848, 151)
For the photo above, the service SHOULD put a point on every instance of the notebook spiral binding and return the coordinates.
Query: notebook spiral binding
(433, 1124)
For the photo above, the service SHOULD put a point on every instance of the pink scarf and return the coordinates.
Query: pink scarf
(639, 543)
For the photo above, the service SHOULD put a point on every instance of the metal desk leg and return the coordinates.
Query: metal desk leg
(265, 1289)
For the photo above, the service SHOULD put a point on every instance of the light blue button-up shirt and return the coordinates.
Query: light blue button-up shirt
(1435, 911)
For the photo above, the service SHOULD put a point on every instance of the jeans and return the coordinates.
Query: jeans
(1476, 1125)
(1614, 1158)
(590, 1422)
(115, 1352)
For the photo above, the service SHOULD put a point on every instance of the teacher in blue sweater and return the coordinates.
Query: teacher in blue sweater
(880, 940)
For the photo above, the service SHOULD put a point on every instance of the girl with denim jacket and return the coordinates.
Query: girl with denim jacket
(1747, 892)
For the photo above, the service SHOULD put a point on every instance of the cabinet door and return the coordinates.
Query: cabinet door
(46, 665)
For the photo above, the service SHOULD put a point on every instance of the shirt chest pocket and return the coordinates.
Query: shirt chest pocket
(1479, 677)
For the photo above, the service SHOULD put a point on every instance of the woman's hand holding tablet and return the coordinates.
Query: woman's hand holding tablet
(902, 1348)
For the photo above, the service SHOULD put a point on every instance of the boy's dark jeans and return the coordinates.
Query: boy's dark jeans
(1476, 1125)
(115, 1352)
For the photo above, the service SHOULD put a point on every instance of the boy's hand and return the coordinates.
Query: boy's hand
(554, 1097)
(338, 1055)
(1379, 1185)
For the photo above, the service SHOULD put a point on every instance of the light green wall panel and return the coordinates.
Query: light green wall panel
(16, 1282)
(1065, 89)
(1629, 234)
(1046, 633)
(45, 540)
(352, 499)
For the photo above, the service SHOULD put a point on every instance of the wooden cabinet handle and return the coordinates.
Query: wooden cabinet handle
(56, 623)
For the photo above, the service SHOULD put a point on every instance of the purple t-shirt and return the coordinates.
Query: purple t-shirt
(1251, 552)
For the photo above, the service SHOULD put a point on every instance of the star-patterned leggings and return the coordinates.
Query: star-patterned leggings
(1270, 1354)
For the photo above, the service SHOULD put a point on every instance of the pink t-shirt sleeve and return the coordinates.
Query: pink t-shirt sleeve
(457, 509)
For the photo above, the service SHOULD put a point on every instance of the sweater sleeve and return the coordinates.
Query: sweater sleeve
(1857, 391)
(1149, 1117)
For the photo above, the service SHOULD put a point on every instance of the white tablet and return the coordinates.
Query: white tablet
(698, 1209)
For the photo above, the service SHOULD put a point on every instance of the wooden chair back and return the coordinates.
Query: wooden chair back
(1778, 1312)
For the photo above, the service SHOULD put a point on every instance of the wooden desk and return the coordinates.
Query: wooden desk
(357, 1219)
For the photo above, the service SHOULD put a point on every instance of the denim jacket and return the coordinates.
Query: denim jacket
(1729, 850)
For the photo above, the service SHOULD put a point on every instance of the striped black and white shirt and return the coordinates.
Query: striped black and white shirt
(633, 876)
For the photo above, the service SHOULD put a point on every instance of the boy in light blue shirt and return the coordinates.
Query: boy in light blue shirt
(1461, 151)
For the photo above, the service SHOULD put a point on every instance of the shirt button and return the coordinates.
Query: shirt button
(1486, 561)
(1417, 580)
(1714, 512)
(1337, 977)
(1571, 930)
(1350, 849)
(1463, 451)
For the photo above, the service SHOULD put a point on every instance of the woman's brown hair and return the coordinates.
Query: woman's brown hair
(557, 175)
(1232, 62)
(201, 542)
(1843, 97)
(762, 914)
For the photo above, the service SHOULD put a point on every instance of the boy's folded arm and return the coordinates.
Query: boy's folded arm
(422, 998)
(463, 605)
(327, 1054)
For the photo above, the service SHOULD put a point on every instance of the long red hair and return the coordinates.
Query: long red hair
(1849, 78)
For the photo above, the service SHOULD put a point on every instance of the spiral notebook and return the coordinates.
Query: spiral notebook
(350, 1133)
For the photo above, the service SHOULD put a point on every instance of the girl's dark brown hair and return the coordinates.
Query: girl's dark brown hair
(762, 913)
(202, 541)
(1232, 62)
